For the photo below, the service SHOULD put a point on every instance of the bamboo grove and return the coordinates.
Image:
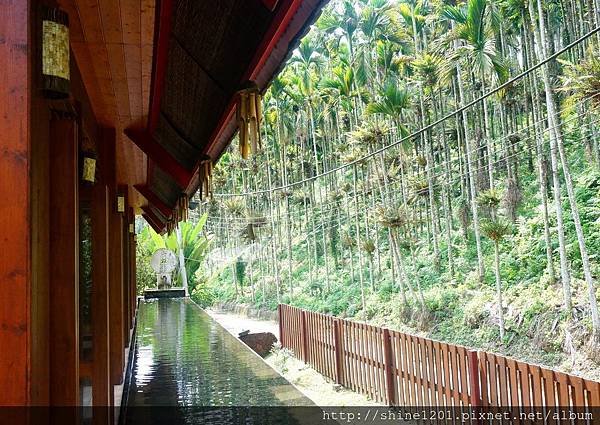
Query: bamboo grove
(414, 145)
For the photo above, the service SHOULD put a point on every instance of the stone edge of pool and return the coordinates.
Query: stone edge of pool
(252, 351)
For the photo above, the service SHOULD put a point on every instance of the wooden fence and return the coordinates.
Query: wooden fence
(405, 370)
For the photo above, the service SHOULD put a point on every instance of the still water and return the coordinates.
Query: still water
(184, 362)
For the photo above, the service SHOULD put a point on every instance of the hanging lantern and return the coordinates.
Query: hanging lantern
(205, 177)
(120, 203)
(249, 116)
(183, 205)
(55, 53)
(171, 224)
(207, 182)
(88, 170)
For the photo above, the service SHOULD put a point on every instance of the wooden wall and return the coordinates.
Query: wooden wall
(15, 229)
(25, 208)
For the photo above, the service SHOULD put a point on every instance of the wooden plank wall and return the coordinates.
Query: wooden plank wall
(64, 262)
(35, 371)
(15, 93)
(117, 337)
(102, 392)
(399, 369)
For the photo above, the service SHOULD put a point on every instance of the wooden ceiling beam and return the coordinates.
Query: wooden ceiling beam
(161, 57)
(158, 225)
(148, 210)
(160, 156)
(158, 228)
(151, 197)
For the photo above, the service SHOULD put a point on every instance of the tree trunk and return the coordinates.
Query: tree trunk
(499, 290)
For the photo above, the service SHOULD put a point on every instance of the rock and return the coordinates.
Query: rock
(261, 342)
(337, 388)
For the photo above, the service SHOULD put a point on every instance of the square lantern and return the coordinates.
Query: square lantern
(88, 167)
(120, 203)
(55, 53)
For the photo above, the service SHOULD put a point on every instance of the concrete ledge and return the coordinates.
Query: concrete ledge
(164, 293)
(246, 310)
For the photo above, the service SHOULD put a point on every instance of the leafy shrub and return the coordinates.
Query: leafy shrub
(203, 295)
(282, 356)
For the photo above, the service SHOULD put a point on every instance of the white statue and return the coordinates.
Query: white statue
(163, 262)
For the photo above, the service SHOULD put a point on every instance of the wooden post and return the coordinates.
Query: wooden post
(134, 274)
(102, 393)
(337, 345)
(474, 385)
(389, 371)
(64, 263)
(116, 294)
(304, 337)
(15, 180)
(124, 231)
(117, 355)
(132, 271)
(280, 322)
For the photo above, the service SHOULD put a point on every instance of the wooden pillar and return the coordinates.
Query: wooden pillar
(280, 322)
(64, 263)
(338, 349)
(115, 250)
(116, 295)
(475, 373)
(102, 393)
(132, 266)
(134, 273)
(15, 261)
(125, 235)
(303, 336)
(389, 368)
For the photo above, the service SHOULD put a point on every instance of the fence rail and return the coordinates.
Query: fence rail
(405, 370)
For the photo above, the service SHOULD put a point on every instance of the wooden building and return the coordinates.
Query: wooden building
(145, 91)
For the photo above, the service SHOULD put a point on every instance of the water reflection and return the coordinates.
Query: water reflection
(184, 358)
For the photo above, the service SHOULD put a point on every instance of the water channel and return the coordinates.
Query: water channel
(188, 369)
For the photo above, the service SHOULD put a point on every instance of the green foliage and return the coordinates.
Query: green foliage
(402, 215)
(146, 278)
(442, 303)
(496, 228)
(240, 271)
(582, 80)
(391, 216)
(85, 269)
(194, 245)
(203, 295)
(489, 198)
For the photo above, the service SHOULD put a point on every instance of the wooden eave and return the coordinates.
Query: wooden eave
(169, 137)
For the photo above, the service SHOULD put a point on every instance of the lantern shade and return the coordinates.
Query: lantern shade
(120, 203)
(88, 172)
(55, 53)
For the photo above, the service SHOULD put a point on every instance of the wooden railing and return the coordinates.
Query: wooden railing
(405, 370)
